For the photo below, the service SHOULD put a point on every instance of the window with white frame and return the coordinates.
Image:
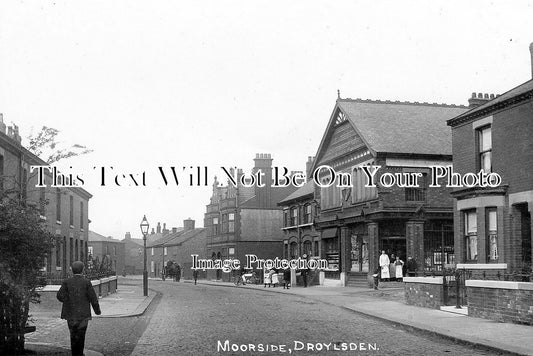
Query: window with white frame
(307, 216)
(492, 238)
(215, 226)
(294, 216)
(165, 251)
(152, 252)
(152, 265)
(471, 235)
(485, 148)
(231, 222)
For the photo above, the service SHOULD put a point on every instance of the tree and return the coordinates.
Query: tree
(24, 245)
(45, 143)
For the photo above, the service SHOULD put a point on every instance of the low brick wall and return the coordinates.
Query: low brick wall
(501, 301)
(49, 300)
(423, 291)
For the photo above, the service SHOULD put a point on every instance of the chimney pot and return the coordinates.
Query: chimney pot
(531, 55)
(473, 95)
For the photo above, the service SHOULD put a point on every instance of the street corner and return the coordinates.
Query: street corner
(126, 302)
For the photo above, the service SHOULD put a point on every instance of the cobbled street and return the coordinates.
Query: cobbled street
(185, 319)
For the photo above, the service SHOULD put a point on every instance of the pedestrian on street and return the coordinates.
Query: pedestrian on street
(398, 265)
(77, 295)
(274, 277)
(178, 273)
(195, 275)
(286, 278)
(267, 277)
(384, 263)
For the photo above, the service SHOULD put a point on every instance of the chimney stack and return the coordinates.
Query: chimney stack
(2, 125)
(158, 228)
(188, 224)
(263, 163)
(128, 236)
(174, 230)
(479, 99)
(531, 55)
(308, 166)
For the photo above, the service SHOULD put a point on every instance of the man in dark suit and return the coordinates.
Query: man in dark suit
(77, 295)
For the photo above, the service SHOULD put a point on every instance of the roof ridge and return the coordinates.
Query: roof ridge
(425, 103)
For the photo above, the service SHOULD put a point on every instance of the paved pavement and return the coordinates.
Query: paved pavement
(385, 304)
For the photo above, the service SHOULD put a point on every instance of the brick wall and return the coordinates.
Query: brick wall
(424, 295)
(505, 305)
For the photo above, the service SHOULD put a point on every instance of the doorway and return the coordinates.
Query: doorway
(359, 253)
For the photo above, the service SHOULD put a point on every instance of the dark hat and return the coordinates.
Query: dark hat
(77, 267)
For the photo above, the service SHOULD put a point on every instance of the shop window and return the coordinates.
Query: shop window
(485, 148)
(471, 235)
(492, 238)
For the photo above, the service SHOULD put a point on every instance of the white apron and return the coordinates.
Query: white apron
(385, 272)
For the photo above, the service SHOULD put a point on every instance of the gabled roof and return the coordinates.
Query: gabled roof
(94, 237)
(177, 238)
(519, 93)
(401, 127)
(308, 189)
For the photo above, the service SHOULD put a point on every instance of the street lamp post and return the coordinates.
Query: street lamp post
(163, 268)
(144, 229)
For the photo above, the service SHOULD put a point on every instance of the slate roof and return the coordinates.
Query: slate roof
(177, 238)
(307, 189)
(402, 127)
(276, 194)
(93, 237)
(501, 100)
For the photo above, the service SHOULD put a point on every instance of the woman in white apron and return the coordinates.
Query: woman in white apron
(267, 278)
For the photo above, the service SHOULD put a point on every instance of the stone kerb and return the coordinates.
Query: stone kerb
(423, 291)
(503, 301)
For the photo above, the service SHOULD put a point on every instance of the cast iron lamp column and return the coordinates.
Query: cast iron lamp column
(144, 230)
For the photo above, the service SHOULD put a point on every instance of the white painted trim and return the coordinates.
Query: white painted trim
(521, 197)
(482, 122)
(482, 266)
(418, 163)
(49, 288)
(480, 202)
(499, 284)
(96, 282)
(425, 280)
(332, 282)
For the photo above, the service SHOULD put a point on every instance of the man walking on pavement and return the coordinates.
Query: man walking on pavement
(77, 295)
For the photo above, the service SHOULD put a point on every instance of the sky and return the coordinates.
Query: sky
(146, 84)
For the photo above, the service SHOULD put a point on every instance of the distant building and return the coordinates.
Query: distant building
(64, 210)
(178, 247)
(108, 250)
(493, 224)
(133, 255)
(299, 212)
(356, 222)
(244, 220)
